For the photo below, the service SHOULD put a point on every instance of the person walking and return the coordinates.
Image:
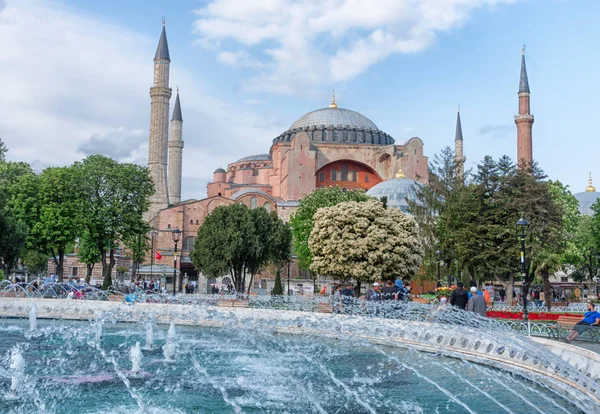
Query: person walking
(476, 303)
(459, 297)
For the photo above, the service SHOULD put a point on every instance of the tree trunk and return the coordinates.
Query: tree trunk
(508, 286)
(88, 275)
(61, 264)
(107, 284)
(547, 288)
(134, 270)
(357, 290)
(250, 284)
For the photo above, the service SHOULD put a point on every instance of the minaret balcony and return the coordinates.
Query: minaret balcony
(525, 117)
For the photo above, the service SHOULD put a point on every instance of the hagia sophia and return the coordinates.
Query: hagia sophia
(331, 146)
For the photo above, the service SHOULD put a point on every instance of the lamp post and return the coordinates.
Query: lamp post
(522, 224)
(176, 235)
(438, 254)
(153, 234)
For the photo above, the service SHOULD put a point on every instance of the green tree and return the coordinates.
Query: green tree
(36, 262)
(137, 246)
(239, 241)
(114, 198)
(88, 253)
(302, 221)
(278, 288)
(3, 150)
(365, 241)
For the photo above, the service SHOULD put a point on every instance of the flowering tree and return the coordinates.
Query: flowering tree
(364, 241)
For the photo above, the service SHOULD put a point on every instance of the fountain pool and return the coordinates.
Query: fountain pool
(242, 369)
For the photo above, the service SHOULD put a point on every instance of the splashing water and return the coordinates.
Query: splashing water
(33, 314)
(149, 336)
(17, 368)
(135, 354)
(169, 351)
(172, 333)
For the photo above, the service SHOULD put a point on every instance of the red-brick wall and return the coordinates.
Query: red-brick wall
(366, 177)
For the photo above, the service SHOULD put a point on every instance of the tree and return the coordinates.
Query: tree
(302, 221)
(88, 253)
(278, 288)
(49, 206)
(3, 150)
(114, 198)
(280, 245)
(365, 241)
(239, 241)
(137, 246)
(36, 262)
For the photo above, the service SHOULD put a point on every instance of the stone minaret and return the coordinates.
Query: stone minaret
(160, 94)
(458, 147)
(175, 149)
(524, 120)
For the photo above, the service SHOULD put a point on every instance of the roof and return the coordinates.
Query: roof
(523, 82)
(335, 116)
(177, 110)
(162, 50)
(459, 135)
(397, 191)
(586, 200)
(258, 157)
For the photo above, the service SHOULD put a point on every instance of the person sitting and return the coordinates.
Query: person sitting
(590, 318)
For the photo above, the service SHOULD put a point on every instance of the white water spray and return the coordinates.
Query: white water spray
(169, 351)
(17, 367)
(135, 355)
(171, 334)
(149, 336)
(33, 314)
(99, 330)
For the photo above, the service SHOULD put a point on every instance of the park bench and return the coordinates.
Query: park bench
(232, 303)
(566, 323)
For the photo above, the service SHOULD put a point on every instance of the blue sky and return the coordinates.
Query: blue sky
(80, 71)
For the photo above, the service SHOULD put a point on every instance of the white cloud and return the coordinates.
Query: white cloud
(75, 85)
(240, 59)
(305, 43)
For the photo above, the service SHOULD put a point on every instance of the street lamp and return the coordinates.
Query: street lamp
(176, 235)
(438, 254)
(522, 224)
(153, 234)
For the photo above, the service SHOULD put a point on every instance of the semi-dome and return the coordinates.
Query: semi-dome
(335, 116)
(337, 125)
(398, 191)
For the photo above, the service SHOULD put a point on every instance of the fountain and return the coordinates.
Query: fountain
(405, 358)
(33, 318)
(17, 368)
(135, 354)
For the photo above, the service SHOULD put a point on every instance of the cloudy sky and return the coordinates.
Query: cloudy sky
(76, 76)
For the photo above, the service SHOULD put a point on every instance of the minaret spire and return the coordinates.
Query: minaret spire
(333, 104)
(459, 157)
(175, 153)
(160, 94)
(525, 119)
(590, 188)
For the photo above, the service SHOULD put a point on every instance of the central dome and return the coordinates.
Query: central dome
(335, 116)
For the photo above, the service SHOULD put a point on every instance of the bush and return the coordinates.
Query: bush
(1, 275)
(278, 288)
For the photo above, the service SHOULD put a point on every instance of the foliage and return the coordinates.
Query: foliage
(36, 262)
(364, 241)
(278, 288)
(239, 241)
(114, 198)
(1, 275)
(88, 253)
(49, 206)
(302, 221)
(3, 150)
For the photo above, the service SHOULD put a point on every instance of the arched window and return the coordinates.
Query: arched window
(354, 175)
(333, 175)
(322, 177)
(188, 243)
(267, 207)
(344, 173)
(366, 178)
(253, 202)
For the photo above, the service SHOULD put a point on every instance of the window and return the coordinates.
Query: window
(366, 178)
(322, 177)
(197, 221)
(354, 175)
(255, 172)
(168, 226)
(191, 221)
(219, 194)
(344, 173)
(253, 202)
(333, 175)
(267, 207)
(564, 279)
(188, 243)
(74, 271)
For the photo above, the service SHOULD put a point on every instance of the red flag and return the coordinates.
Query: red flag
(158, 256)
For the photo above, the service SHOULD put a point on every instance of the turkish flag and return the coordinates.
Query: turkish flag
(158, 256)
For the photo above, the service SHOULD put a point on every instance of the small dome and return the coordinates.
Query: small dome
(259, 157)
(219, 171)
(335, 116)
(397, 191)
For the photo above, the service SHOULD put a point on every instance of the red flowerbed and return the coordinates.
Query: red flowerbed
(533, 316)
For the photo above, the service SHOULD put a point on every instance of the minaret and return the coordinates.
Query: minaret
(524, 120)
(160, 94)
(175, 150)
(458, 147)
